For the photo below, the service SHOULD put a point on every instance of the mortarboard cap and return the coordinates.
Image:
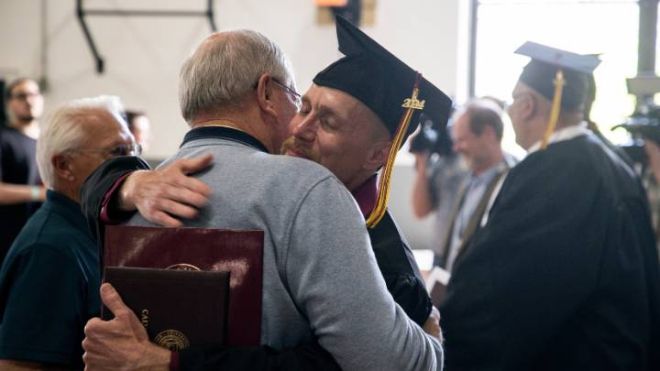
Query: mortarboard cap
(396, 93)
(540, 72)
(381, 81)
(562, 77)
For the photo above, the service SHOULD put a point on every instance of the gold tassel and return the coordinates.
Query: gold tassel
(556, 107)
(384, 183)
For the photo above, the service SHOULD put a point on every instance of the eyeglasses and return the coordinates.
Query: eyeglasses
(132, 149)
(297, 98)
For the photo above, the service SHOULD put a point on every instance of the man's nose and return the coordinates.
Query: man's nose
(305, 129)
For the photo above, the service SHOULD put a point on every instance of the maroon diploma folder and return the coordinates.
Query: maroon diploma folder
(177, 308)
(237, 252)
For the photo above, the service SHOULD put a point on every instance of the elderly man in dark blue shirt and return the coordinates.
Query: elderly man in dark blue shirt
(50, 278)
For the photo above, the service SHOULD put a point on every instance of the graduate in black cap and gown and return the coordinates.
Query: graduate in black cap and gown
(564, 274)
(395, 95)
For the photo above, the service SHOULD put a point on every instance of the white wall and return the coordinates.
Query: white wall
(143, 55)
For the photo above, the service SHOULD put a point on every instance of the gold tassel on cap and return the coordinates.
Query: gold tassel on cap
(556, 107)
(384, 184)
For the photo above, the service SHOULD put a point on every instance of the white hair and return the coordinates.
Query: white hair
(225, 67)
(65, 129)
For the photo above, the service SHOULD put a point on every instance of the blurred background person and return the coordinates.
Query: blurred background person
(21, 190)
(140, 126)
(440, 172)
(641, 151)
(3, 109)
(476, 133)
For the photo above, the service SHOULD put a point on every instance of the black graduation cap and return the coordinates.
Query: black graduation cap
(540, 72)
(563, 77)
(380, 80)
(396, 93)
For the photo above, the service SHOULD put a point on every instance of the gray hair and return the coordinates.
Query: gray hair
(225, 67)
(65, 129)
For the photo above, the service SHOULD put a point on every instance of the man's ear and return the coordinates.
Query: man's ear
(378, 155)
(265, 94)
(62, 167)
(529, 106)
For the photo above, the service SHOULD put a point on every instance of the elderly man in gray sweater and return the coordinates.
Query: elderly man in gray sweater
(235, 95)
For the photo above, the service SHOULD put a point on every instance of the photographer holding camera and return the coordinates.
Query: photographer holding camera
(440, 172)
(459, 188)
(644, 151)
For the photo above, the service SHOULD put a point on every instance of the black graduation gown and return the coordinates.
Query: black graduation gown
(393, 256)
(565, 274)
(397, 264)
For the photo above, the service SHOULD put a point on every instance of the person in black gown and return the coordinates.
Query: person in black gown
(564, 274)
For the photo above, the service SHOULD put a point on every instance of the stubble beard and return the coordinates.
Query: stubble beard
(291, 148)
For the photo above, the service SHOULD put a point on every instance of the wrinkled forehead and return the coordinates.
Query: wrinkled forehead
(103, 124)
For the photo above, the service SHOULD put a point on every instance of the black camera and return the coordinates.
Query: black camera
(431, 138)
(641, 126)
(644, 124)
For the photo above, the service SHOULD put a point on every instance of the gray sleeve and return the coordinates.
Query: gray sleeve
(334, 279)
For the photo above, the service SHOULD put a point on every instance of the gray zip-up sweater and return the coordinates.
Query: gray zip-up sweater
(320, 275)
